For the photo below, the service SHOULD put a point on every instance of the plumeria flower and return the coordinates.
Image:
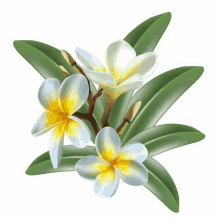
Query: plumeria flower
(113, 163)
(124, 70)
(60, 102)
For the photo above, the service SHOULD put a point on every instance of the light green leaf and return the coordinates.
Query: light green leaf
(161, 184)
(119, 110)
(161, 138)
(157, 96)
(71, 155)
(144, 38)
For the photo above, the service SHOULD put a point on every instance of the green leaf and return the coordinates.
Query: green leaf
(157, 96)
(119, 110)
(161, 184)
(144, 38)
(159, 181)
(161, 138)
(71, 155)
(46, 60)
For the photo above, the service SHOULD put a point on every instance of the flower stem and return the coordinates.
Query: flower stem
(108, 107)
(90, 118)
(92, 100)
(92, 105)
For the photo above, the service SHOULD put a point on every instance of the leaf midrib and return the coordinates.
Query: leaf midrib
(151, 26)
(165, 187)
(39, 49)
(25, 43)
(170, 135)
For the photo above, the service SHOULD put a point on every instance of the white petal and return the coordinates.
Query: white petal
(106, 183)
(48, 94)
(132, 172)
(78, 132)
(56, 144)
(73, 93)
(101, 78)
(119, 55)
(90, 61)
(46, 122)
(133, 151)
(134, 82)
(90, 166)
(107, 143)
(141, 65)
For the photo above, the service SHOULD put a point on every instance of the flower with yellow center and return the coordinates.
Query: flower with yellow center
(114, 163)
(60, 102)
(124, 71)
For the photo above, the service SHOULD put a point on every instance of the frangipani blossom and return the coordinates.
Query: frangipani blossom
(124, 70)
(113, 163)
(60, 102)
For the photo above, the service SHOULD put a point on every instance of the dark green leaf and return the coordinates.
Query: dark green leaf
(157, 96)
(144, 38)
(161, 138)
(70, 156)
(161, 184)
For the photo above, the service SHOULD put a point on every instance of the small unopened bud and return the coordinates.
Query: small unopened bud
(129, 117)
(132, 111)
(68, 57)
(64, 71)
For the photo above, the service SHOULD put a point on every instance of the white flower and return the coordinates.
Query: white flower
(60, 102)
(114, 163)
(124, 71)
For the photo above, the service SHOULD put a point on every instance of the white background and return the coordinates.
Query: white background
(192, 38)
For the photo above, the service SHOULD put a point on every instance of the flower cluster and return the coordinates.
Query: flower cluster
(124, 71)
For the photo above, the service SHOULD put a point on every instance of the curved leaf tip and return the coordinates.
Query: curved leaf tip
(168, 13)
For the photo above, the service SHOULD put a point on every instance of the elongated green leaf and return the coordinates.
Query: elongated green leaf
(144, 38)
(71, 155)
(161, 184)
(159, 181)
(119, 109)
(46, 60)
(157, 96)
(161, 138)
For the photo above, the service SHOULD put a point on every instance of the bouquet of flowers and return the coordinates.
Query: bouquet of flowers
(120, 123)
